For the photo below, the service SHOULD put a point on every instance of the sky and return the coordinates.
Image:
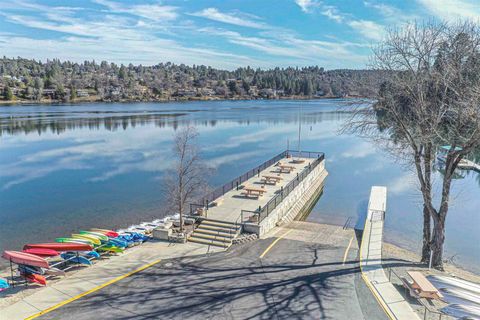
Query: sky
(220, 33)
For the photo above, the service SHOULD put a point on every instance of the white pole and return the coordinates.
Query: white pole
(430, 261)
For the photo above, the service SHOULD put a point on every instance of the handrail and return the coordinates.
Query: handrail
(285, 191)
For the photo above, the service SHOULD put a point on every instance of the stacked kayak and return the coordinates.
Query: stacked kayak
(30, 265)
(37, 261)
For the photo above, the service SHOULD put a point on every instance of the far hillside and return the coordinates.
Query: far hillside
(25, 80)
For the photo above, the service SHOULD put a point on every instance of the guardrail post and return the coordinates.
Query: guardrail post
(258, 173)
(237, 185)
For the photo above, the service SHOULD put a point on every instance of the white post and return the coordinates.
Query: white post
(430, 261)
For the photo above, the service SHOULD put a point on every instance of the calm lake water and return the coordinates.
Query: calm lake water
(67, 167)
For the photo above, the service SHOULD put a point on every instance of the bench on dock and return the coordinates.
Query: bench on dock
(253, 192)
(422, 287)
(271, 179)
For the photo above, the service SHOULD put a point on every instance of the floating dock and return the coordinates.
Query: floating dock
(469, 165)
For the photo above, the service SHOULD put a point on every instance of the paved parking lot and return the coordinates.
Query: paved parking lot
(306, 272)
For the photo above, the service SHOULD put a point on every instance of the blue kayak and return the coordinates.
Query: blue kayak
(3, 284)
(117, 242)
(73, 258)
(88, 254)
(30, 269)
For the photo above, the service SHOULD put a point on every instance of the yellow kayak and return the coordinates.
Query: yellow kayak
(95, 240)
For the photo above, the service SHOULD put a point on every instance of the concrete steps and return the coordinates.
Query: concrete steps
(215, 233)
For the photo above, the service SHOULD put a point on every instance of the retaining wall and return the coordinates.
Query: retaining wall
(292, 205)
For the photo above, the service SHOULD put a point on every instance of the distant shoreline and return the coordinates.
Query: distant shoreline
(86, 101)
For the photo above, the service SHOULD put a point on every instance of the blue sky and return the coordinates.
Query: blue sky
(221, 33)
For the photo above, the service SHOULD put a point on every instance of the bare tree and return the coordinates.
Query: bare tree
(187, 179)
(431, 98)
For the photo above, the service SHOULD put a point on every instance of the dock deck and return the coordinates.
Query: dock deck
(233, 202)
(230, 204)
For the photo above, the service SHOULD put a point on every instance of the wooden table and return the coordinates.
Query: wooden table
(425, 288)
(285, 168)
(271, 179)
(251, 191)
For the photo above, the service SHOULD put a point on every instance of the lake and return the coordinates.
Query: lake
(70, 167)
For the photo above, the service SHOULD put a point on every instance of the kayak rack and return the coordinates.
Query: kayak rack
(61, 263)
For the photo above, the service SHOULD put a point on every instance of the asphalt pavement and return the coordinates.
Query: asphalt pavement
(307, 274)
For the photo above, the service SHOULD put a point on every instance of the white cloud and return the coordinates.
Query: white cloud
(391, 14)
(453, 9)
(307, 5)
(237, 19)
(154, 12)
(301, 52)
(368, 29)
(332, 13)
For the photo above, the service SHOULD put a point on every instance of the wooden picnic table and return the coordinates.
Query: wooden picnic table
(425, 288)
(284, 168)
(271, 179)
(252, 191)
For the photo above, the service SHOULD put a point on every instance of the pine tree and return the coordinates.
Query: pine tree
(7, 93)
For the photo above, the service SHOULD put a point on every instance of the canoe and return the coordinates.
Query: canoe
(60, 246)
(74, 240)
(25, 258)
(95, 234)
(74, 258)
(88, 237)
(108, 233)
(36, 278)
(41, 252)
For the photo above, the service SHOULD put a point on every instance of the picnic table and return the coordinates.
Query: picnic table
(252, 191)
(424, 288)
(285, 168)
(271, 179)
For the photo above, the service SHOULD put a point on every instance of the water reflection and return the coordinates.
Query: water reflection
(19, 121)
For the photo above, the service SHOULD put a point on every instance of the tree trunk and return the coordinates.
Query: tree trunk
(438, 238)
(427, 232)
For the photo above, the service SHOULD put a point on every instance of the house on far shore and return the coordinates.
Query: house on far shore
(82, 93)
(186, 93)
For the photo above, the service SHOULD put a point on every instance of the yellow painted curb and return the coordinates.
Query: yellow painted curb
(379, 299)
(273, 243)
(92, 290)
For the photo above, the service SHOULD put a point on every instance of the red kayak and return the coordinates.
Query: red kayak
(60, 247)
(25, 258)
(36, 278)
(108, 233)
(41, 252)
